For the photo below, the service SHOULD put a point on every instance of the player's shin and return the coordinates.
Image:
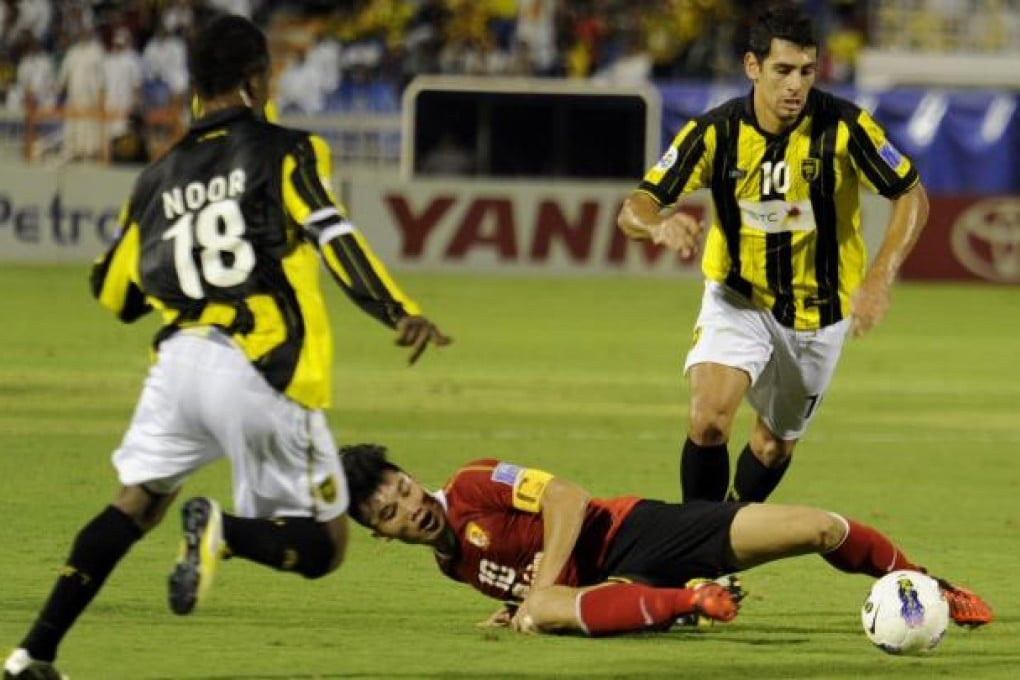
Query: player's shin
(865, 550)
(97, 549)
(753, 482)
(704, 471)
(628, 607)
(298, 544)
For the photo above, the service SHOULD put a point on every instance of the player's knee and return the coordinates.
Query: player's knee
(824, 532)
(317, 552)
(710, 427)
(772, 453)
(769, 449)
(552, 611)
(833, 532)
(317, 561)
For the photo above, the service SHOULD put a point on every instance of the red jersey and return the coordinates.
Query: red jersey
(493, 509)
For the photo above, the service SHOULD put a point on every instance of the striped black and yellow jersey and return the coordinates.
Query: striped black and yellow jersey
(786, 230)
(227, 230)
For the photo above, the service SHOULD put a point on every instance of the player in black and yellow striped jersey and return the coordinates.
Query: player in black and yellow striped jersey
(223, 238)
(784, 259)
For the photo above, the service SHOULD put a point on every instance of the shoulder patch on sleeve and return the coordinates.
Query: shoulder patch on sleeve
(890, 154)
(668, 159)
(506, 473)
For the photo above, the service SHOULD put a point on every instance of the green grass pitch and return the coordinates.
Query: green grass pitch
(919, 435)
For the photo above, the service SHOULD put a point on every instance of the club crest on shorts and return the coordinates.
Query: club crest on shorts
(327, 489)
(810, 168)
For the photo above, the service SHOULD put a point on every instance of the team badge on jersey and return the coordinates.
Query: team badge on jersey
(891, 155)
(476, 536)
(810, 168)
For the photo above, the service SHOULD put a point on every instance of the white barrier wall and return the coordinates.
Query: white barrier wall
(70, 214)
(58, 214)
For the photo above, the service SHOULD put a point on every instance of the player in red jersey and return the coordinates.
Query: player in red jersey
(565, 562)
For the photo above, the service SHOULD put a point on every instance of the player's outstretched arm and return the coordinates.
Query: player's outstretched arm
(641, 218)
(870, 301)
(362, 276)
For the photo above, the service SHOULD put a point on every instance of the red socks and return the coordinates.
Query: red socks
(866, 551)
(628, 607)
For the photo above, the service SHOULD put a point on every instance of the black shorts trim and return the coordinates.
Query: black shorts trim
(667, 544)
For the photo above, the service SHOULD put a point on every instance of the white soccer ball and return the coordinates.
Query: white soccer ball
(905, 613)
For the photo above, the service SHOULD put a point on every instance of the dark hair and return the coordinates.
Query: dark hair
(784, 22)
(364, 466)
(227, 51)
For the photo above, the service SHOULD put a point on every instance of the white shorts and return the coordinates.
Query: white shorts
(789, 370)
(203, 400)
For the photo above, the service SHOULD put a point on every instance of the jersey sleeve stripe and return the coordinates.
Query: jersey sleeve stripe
(668, 189)
(113, 278)
(885, 180)
(377, 268)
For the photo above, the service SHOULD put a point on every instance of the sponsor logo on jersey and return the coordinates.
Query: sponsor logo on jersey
(506, 473)
(476, 536)
(810, 168)
(778, 215)
(890, 155)
(986, 239)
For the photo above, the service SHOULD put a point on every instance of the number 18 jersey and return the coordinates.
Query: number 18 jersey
(226, 230)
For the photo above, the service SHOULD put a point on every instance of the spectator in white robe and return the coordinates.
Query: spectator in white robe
(80, 79)
(122, 71)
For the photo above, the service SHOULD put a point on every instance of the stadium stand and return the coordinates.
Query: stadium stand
(343, 66)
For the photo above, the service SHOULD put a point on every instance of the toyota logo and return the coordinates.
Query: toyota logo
(986, 239)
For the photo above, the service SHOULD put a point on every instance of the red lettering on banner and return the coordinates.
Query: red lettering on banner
(499, 212)
(551, 223)
(415, 229)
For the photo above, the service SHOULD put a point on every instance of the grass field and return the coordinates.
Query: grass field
(919, 435)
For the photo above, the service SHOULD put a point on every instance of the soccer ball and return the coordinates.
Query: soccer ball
(905, 613)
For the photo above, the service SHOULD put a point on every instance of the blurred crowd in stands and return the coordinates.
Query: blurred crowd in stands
(129, 56)
(131, 53)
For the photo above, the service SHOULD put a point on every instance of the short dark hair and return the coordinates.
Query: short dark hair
(364, 465)
(224, 53)
(785, 21)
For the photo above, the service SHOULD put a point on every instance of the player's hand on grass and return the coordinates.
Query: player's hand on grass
(417, 332)
(680, 232)
(715, 602)
(521, 621)
(868, 305)
(500, 618)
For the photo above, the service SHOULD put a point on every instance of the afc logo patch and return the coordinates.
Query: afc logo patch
(810, 168)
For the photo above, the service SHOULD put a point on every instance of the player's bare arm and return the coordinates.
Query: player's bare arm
(641, 218)
(563, 505)
(871, 301)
